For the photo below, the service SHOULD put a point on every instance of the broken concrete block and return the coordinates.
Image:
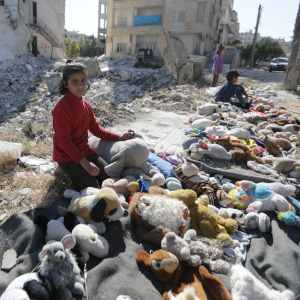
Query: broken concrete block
(53, 80)
(198, 65)
(92, 68)
(9, 260)
(173, 51)
(185, 74)
(29, 68)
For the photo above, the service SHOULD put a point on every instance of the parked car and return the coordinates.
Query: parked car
(265, 63)
(278, 64)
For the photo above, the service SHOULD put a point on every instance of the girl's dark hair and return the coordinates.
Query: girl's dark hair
(220, 48)
(69, 69)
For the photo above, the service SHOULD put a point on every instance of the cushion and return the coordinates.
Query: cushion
(163, 165)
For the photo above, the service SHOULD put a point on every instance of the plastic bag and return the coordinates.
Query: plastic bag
(9, 151)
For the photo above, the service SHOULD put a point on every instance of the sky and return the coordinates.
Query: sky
(277, 18)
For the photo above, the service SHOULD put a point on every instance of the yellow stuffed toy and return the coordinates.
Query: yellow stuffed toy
(203, 220)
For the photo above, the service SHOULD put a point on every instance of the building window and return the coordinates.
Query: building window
(122, 21)
(200, 12)
(179, 16)
(151, 46)
(24, 1)
(1, 2)
(121, 47)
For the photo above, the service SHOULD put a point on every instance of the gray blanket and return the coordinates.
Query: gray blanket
(272, 257)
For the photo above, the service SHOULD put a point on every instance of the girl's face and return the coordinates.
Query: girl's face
(77, 84)
(223, 51)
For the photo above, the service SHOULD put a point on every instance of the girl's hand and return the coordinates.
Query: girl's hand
(90, 167)
(127, 136)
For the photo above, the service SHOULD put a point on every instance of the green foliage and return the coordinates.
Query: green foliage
(72, 48)
(89, 47)
(265, 48)
(236, 42)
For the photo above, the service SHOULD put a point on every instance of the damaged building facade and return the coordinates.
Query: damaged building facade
(32, 26)
(135, 24)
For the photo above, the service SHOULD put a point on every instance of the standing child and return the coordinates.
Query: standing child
(218, 64)
(72, 118)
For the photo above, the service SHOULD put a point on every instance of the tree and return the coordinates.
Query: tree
(246, 51)
(90, 47)
(268, 48)
(292, 76)
(74, 49)
(67, 45)
(81, 45)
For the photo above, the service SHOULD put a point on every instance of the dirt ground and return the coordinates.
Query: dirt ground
(160, 116)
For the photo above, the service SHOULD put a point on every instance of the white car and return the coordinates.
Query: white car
(265, 63)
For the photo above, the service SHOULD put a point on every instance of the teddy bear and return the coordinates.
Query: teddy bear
(262, 198)
(193, 179)
(275, 145)
(59, 266)
(28, 286)
(203, 220)
(93, 208)
(208, 109)
(155, 214)
(281, 122)
(201, 148)
(194, 252)
(240, 153)
(176, 276)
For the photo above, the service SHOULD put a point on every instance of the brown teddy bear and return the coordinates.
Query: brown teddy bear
(275, 145)
(155, 214)
(166, 267)
(240, 153)
(281, 122)
(203, 220)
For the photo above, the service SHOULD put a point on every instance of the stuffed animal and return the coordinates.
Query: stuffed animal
(287, 135)
(244, 285)
(209, 109)
(189, 293)
(262, 198)
(166, 267)
(194, 252)
(59, 266)
(155, 214)
(227, 213)
(119, 185)
(275, 145)
(28, 286)
(282, 122)
(87, 238)
(261, 168)
(240, 153)
(202, 123)
(199, 149)
(259, 221)
(284, 164)
(203, 220)
(191, 178)
(94, 208)
(126, 158)
(220, 131)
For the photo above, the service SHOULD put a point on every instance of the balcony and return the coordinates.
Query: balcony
(138, 30)
(153, 20)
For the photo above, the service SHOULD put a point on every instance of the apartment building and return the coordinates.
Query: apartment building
(135, 24)
(36, 26)
(285, 46)
(102, 24)
(247, 37)
(74, 35)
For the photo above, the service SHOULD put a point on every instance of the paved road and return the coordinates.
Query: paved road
(161, 130)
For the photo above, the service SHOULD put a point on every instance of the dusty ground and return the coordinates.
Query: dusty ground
(157, 111)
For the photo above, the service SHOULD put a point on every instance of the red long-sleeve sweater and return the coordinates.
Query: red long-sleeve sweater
(72, 118)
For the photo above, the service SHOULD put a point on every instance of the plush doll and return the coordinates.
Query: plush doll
(199, 149)
(92, 209)
(227, 213)
(275, 145)
(244, 285)
(28, 286)
(220, 131)
(119, 185)
(261, 168)
(287, 135)
(283, 164)
(194, 252)
(208, 109)
(202, 123)
(282, 122)
(262, 198)
(259, 221)
(126, 158)
(240, 153)
(87, 238)
(192, 179)
(155, 214)
(166, 267)
(189, 293)
(289, 218)
(59, 266)
(203, 220)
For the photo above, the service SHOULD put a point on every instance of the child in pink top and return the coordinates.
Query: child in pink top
(218, 64)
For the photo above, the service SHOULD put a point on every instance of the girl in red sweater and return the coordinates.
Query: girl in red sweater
(72, 118)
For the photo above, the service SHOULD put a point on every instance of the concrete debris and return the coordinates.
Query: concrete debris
(92, 66)
(52, 80)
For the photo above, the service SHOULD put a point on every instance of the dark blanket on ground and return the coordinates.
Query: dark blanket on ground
(272, 257)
